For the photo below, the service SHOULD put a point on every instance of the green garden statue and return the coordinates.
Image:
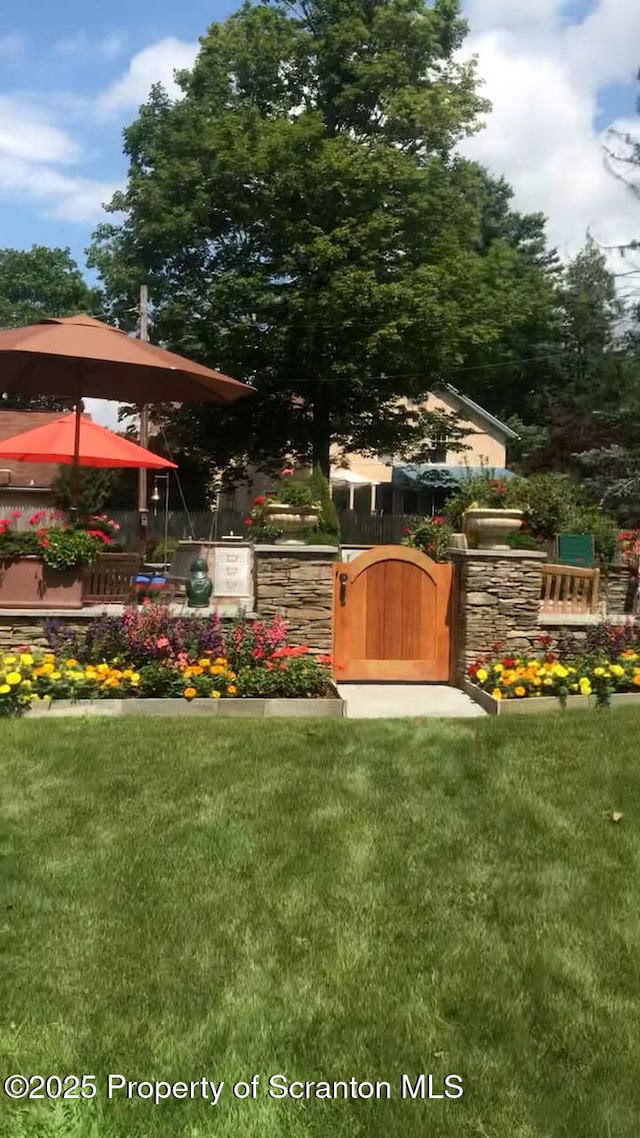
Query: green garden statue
(199, 586)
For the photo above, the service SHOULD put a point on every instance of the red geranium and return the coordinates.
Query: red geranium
(259, 501)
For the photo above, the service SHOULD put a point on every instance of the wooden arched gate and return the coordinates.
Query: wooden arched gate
(392, 617)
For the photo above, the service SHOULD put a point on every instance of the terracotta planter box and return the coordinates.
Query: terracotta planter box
(225, 708)
(534, 705)
(27, 583)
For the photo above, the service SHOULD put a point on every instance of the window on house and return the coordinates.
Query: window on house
(437, 451)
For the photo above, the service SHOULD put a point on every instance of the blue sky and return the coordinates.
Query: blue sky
(72, 77)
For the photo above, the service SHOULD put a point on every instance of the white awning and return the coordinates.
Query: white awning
(350, 478)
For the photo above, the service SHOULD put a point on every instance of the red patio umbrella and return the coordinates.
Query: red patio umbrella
(97, 446)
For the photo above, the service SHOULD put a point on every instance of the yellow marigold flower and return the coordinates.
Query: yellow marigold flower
(189, 693)
(617, 670)
(220, 660)
(636, 680)
(520, 691)
(25, 684)
(48, 658)
(47, 668)
(55, 675)
(13, 678)
(482, 675)
(38, 672)
(4, 688)
(134, 678)
(204, 662)
(547, 682)
(496, 693)
(9, 660)
(560, 671)
(232, 689)
(26, 659)
(218, 669)
(71, 663)
(231, 675)
(127, 674)
(599, 671)
(537, 682)
(585, 686)
(214, 695)
(498, 669)
(102, 669)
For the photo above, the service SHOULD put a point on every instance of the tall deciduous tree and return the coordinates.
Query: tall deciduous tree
(303, 223)
(36, 283)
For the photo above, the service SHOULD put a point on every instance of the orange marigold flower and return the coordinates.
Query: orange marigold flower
(189, 693)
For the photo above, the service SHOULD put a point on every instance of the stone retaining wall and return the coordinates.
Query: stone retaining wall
(496, 600)
(299, 586)
(28, 631)
(296, 582)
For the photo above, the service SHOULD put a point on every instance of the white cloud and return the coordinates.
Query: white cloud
(156, 64)
(109, 46)
(26, 132)
(544, 82)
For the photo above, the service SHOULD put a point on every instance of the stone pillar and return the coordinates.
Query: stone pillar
(496, 599)
(297, 583)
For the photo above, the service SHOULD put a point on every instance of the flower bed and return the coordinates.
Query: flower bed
(601, 675)
(148, 655)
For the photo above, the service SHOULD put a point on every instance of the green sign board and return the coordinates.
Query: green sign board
(576, 549)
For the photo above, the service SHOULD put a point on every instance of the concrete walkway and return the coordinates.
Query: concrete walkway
(400, 701)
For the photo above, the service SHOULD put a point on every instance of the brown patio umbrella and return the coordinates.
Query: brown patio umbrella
(76, 356)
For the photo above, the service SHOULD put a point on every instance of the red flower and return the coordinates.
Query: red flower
(16, 513)
(438, 521)
(287, 470)
(259, 501)
(247, 521)
(323, 660)
(45, 543)
(508, 662)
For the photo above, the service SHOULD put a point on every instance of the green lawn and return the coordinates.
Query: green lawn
(325, 900)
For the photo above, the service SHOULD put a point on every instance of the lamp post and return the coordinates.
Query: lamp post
(155, 498)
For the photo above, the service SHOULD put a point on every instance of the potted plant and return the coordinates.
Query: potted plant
(42, 567)
(431, 535)
(292, 509)
(489, 515)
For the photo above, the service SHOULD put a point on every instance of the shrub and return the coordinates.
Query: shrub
(290, 674)
(142, 634)
(431, 535)
(321, 492)
(249, 643)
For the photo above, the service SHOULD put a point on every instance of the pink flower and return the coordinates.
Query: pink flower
(287, 470)
(162, 642)
(16, 513)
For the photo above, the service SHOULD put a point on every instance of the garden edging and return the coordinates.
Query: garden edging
(227, 708)
(534, 705)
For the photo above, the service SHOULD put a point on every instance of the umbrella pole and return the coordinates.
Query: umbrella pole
(75, 470)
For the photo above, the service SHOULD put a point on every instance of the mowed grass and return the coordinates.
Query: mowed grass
(325, 900)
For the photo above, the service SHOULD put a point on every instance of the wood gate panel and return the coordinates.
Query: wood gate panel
(391, 617)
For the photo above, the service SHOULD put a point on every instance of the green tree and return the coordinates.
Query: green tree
(36, 283)
(304, 224)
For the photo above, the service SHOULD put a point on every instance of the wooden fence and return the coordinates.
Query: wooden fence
(355, 529)
(569, 590)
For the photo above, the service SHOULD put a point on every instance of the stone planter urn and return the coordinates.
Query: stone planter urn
(489, 528)
(291, 520)
(27, 583)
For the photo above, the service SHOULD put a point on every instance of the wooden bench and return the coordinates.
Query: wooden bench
(109, 579)
(569, 590)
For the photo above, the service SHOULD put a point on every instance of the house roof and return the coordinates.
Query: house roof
(36, 475)
(471, 405)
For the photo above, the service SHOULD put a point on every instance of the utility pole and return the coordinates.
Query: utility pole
(143, 509)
